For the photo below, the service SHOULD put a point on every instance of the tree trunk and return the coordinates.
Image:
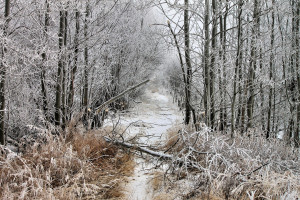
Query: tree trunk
(188, 63)
(3, 76)
(212, 66)
(237, 69)
(253, 63)
(262, 95)
(63, 97)
(60, 68)
(271, 72)
(43, 72)
(222, 72)
(74, 69)
(297, 57)
(186, 91)
(206, 65)
(86, 65)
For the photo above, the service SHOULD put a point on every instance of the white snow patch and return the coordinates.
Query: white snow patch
(159, 97)
(150, 120)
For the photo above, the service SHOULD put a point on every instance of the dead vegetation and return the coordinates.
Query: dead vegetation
(78, 166)
(209, 165)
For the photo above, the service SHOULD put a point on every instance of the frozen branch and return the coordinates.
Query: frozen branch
(98, 109)
(141, 149)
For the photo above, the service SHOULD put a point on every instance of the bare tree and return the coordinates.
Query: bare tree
(74, 69)
(296, 35)
(271, 71)
(3, 75)
(61, 63)
(237, 69)
(188, 62)
(43, 70)
(207, 92)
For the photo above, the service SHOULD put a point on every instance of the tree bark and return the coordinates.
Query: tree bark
(74, 69)
(188, 63)
(237, 69)
(60, 69)
(206, 65)
(253, 63)
(297, 59)
(212, 66)
(271, 72)
(63, 97)
(222, 72)
(262, 95)
(43, 72)
(3, 76)
(86, 65)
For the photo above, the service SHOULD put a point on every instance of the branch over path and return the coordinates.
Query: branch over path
(98, 109)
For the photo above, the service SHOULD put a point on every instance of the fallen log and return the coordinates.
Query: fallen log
(160, 155)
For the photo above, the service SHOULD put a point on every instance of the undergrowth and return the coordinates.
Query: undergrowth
(218, 167)
(78, 166)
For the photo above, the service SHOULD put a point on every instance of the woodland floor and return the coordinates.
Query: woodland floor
(82, 165)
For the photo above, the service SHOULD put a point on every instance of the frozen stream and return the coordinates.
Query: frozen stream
(149, 120)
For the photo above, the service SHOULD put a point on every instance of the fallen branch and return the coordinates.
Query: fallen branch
(141, 149)
(99, 109)
(258, 168)
(172, 146)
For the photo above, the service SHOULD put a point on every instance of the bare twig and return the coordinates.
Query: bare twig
(258, 168)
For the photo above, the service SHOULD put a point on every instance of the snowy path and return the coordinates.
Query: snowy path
(150, 120)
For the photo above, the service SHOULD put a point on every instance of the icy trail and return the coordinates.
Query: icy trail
(149, 119)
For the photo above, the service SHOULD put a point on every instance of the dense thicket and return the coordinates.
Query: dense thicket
(59, 58)
(245, 61)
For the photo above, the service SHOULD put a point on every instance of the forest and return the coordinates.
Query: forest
(205, 93)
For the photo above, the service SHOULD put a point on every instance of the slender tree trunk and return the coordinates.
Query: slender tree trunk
(63, 97)
(86, 65)
(3, 76)
(288, 129)
(221, 69)
(253, 63)
(262, 95)
(222, 81)
(179, 54)
(44, 57)
(237, 69)
(183, 71)
(60, 69)
(206, 65)
(212, 65)
(271, 72)
(297, 59)
(292, 81)
(188, 63)
(74, 69)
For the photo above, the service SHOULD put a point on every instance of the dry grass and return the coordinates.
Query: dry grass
(163, 196)
(79, 167)
(242, 168)
(157, 181)
(171, 143)
(172, 136)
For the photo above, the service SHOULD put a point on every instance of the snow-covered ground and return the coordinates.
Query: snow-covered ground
(149, 119)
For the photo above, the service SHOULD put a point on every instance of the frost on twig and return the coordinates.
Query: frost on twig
(141, 149)
(239, 168)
